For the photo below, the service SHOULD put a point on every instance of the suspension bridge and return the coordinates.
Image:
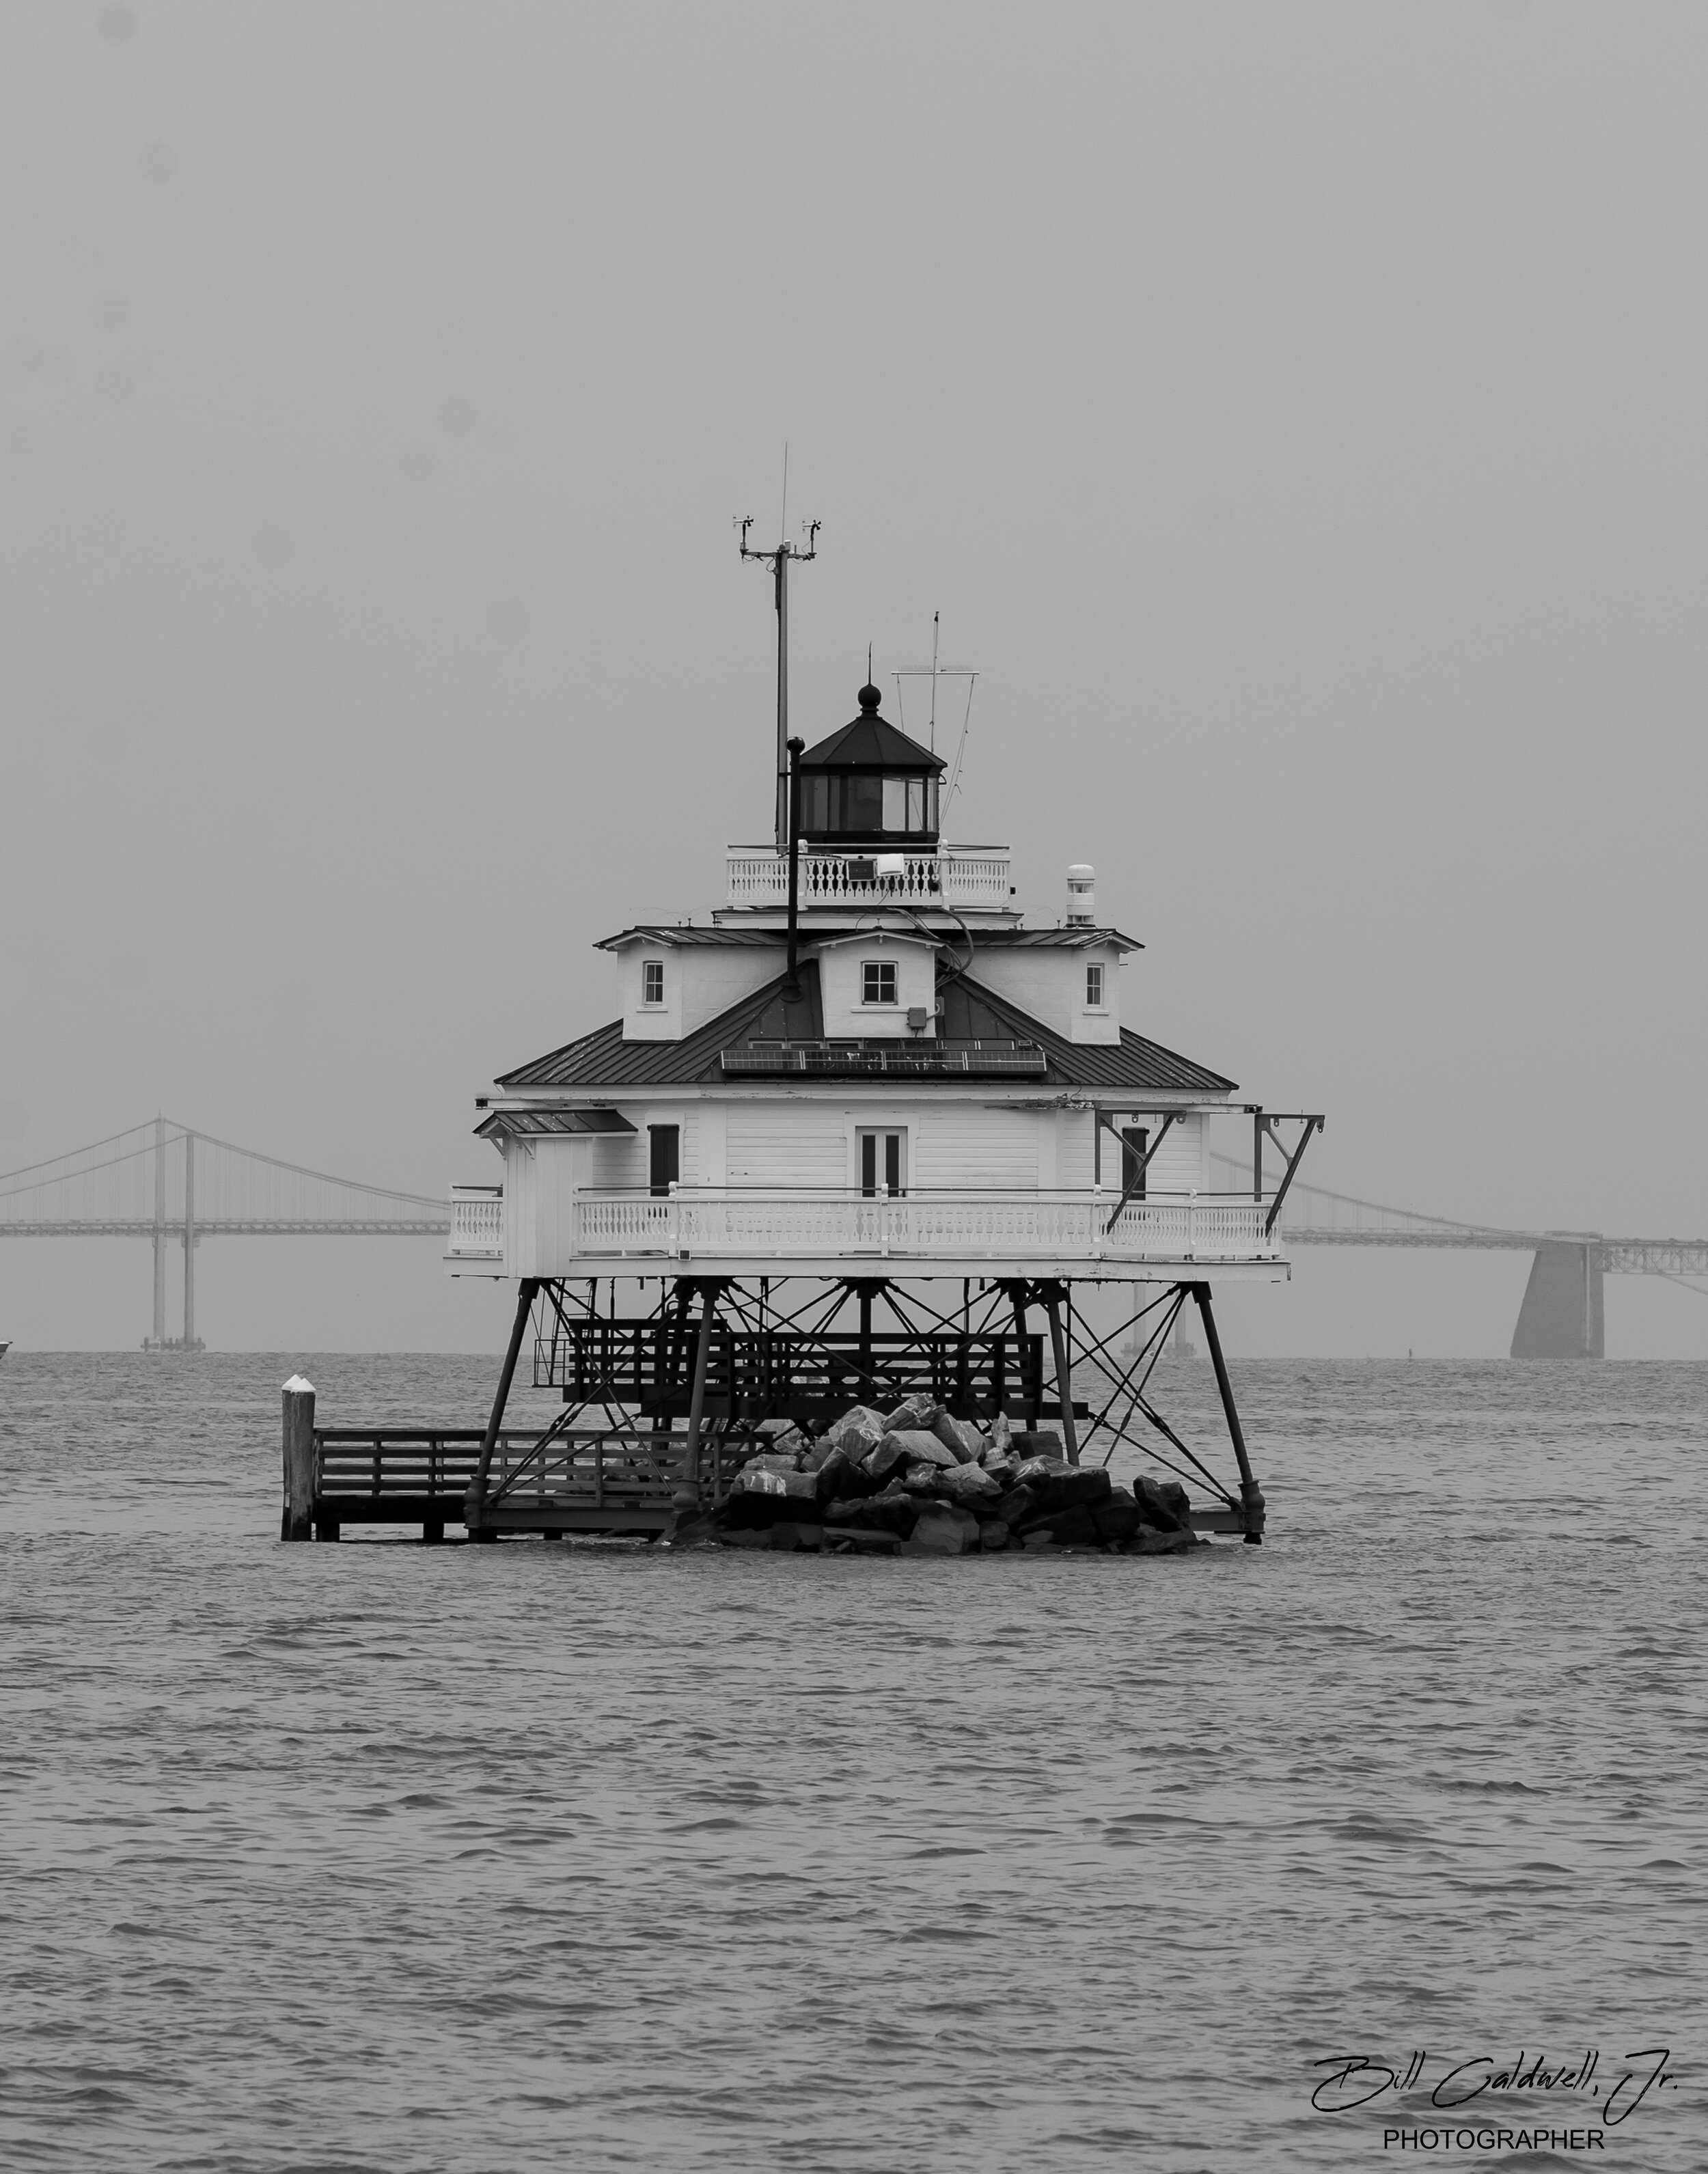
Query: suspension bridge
(1562, 1316)
(171, 1185)
(165, 1183)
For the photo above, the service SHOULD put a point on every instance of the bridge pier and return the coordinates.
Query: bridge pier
(1562, 1316)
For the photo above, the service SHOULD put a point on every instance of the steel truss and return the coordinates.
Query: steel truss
(660, 1408)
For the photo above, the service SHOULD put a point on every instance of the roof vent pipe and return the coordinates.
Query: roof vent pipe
(1082, 896)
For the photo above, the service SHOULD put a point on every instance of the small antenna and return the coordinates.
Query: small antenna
(869, 663)
(784, 529)
(778, 561)
(935, 617)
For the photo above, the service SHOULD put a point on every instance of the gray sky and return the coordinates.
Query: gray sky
(1295, 411)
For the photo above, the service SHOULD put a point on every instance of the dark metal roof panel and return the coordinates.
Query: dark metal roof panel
(540, 1124)
(603, 1059)
(1064, 939)
(757, 939)
(871, 744)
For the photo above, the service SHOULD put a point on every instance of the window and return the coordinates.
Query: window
(1093, 987)
(1135, 1139)
(653, 981)
(666, 1165)
(883, 1162)
(878, 982)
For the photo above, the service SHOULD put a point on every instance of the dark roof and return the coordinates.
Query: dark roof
(540, 1124)
(971, 1013)
(871, 742)
(1077, 938)
(683, 939)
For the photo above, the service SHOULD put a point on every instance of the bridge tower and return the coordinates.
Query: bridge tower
(860, 1134)
(1563, 1316)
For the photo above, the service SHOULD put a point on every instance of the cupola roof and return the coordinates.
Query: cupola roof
(871, 742)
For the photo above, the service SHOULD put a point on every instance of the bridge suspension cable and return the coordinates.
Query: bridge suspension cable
(164, 1182)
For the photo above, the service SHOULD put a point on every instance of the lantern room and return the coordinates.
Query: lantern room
(870, 785)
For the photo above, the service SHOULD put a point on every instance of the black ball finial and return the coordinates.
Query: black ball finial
(870, 697)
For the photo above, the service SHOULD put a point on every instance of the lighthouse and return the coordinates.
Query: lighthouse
(860, 1135)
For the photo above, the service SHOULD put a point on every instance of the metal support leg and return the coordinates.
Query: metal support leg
(687, 1499)
(1064, 1374)
(1251, 1495)
(474, 1504)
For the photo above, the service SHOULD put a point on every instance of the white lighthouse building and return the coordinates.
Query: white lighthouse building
(859, 1134)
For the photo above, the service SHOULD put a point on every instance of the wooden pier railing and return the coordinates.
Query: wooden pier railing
(612, 1480)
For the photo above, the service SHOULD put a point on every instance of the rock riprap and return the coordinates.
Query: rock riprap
(919, 1481)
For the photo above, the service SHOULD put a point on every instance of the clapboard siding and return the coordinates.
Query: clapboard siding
(976, 1147)
(802, 1146)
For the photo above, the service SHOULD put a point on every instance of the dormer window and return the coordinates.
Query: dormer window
(653, 981)
(878, 982)
(1094, 988)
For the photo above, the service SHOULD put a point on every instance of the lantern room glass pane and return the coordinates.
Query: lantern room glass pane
(895, 803)
(862, 803)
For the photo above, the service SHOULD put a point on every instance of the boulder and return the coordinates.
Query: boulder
(925, 1480)
(1065, 1486)
(819, 1454)
(891, 1512)
(1017, 1506)
(959, 1435)
(922, 1446)
(1002, 1433)
(1045, 1442)
(789, 1537)
(759, 1496)
(772, 1460)
(1147, 1541)
(1074, 1526)
(1118, 1519)
(993, 1535)
(858, 1431)
(944, 1529)
(916, 1412)
(888, 1457)
(847, 1483)
(856, 1540)
(1004, 1470)
(1039, 1468)
(969, 1485)
(1162, 1504)
(829, 1475)
(744, 1536)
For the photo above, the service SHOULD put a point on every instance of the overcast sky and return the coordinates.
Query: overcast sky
(1295, 410)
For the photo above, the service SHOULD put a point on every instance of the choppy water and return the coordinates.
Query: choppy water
(394, 1858)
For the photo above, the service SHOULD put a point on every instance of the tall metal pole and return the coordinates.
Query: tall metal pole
(1251, 1495)
(475, 1503)
(160, 1335)
(783, 557)
(778, 561)
(1064, 1374)
(795, 749)
(687, 1496)
(189, 1241)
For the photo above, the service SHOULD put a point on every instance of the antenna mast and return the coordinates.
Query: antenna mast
(778, 561)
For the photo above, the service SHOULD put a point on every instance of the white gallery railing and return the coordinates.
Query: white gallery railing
(953, 875)
(476, 1223)
(969, 1225)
